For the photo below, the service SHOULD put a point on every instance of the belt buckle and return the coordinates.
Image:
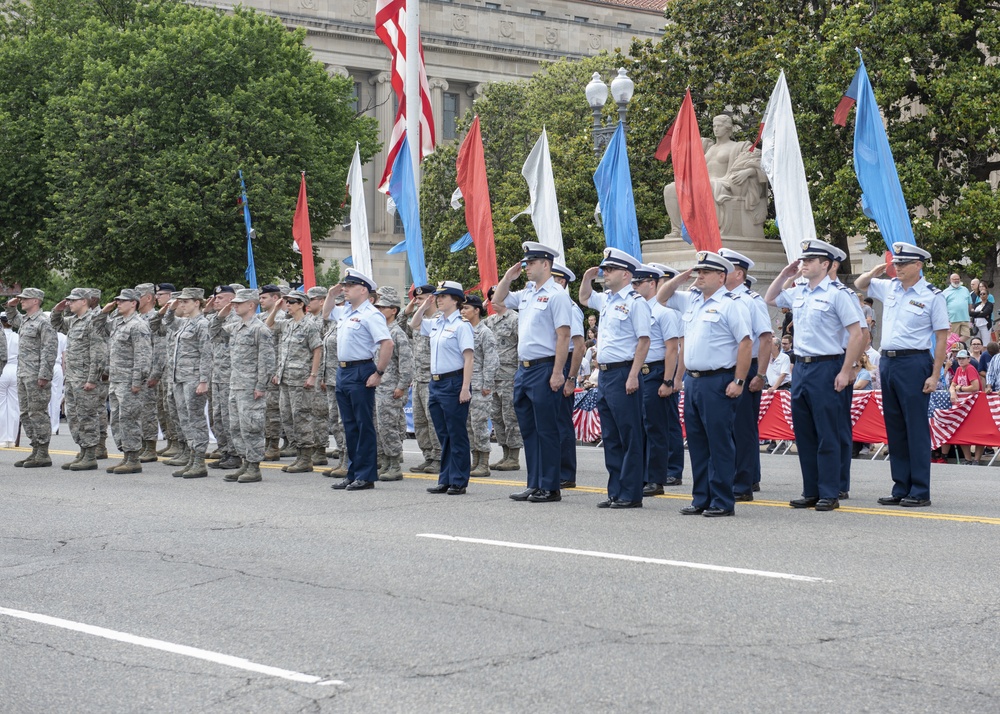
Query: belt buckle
(695, 374)
(645, 369)
(526, 363)
(343, 364)
(890, 353)
(603, 367)
(436, 377)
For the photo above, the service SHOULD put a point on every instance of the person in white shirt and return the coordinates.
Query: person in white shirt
(779, 372)
(10, 408)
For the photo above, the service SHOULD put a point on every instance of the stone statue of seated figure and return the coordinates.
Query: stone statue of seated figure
(739, 186)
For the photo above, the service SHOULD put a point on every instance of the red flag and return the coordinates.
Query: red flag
(303, 237)
(694, 187)
(471, 180)
(663, 149)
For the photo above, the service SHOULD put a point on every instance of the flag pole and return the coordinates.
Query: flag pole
(412, 86)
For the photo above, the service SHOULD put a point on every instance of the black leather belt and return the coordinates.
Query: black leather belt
(614, 365)
(903, 353)
(711, 372)
(540, 360)
(447, 375)
(820, 358)
(355, 363)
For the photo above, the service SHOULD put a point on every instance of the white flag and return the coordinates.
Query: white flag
(544, 208)
(781, 160)
(361, 251)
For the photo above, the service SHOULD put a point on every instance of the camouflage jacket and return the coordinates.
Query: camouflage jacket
(504, 328)
(485, 361)
(190, 351)
(399, 371)
(221, 365)
(39, 344)
(329, 370)
(86, 346)
(251, 352)
(421, 345)
(296, 342)
(130, 351)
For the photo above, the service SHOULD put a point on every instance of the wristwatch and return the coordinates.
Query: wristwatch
(668, 383)
(739, 382)
(380, 372)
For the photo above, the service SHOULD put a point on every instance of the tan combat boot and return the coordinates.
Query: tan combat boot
(482, 469)
(506, 451)
(148, 453)
(272, 452)
(302, 463)
(319, 456)
(76, 459)
(181, 458)
(287, 449)
(341, 468)
(197, 469)
(26, 459)
(174, 447)
(88, 462)
(234, 475)
(393, 471)
(252, 474)
(131, 465)
(189, 459)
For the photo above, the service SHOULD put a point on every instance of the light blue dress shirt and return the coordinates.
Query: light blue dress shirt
(450, 338)
(664, 325)
(822, 315)
(541, 311)
(359, 332)
(713, 328)
(625, 317)
(760, 318)
(909, 316)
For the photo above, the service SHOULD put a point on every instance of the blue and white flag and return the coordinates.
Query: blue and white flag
(403, 190)
(616, 201)
(251, 271)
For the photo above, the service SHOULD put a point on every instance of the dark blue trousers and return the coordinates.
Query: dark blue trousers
(710, 416)
(450, 418)
(904, 406)
(567, 435)
(818, 418)
(357, 407)
(537, 408)
(623, 434)
(657, 421)
(747, 437)
(847, 439)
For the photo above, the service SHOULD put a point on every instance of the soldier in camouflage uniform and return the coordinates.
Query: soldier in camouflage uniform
(300, 351)
(35, 362)
(94, 301)
(191, 374)
(321, 408)
(130, 354)
(503, 323)
(390, 395)
(86, 353)
(150, 429)
(333, 306)
(221, 369)
(485, 363)
(269, 296)
(252, 361)
(164, 399)
(427, 438)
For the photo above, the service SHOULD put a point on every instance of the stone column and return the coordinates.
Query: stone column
(438, 88)
(381, 81)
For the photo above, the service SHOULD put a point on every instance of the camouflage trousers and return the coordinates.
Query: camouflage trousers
(148, 413)
(272, 414)
(334, 425)
(478, 423)
(321, 417)
(105, 389)
(504, 418)
(297, 415)
(34, 401)
(390, 422)
(191, 415)
(221, 419)
(246, 419)
(422, 426)
(126, 416)
(83, 412)
(164, 409)
(173, 413)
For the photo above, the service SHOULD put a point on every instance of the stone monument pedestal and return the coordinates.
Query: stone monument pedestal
(768, 255)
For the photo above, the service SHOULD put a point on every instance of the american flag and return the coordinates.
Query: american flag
(390, 26)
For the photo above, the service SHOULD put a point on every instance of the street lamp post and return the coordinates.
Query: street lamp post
(622, 89)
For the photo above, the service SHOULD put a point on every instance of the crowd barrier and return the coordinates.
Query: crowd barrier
(973, 419)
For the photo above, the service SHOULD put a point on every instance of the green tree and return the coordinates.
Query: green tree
(930, 64)
(153, 108)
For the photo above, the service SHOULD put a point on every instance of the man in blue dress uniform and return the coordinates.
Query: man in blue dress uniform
(361, 330)
(675, 431)
(914, 336)
(545, 313)
(823, 369)
(659, 397)
(567, 441)
(622, 345)
(717, 348)
(748, 405)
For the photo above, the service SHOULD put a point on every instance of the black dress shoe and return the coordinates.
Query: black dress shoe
(440, 488)
(844, 495)
(803, 502)
(717, 513)
(915, 502)
(673, 482)
(743, 496)
(456, 491)
(522, 495)
(756, 487)
(359, 485)
(567, 484)
(341, 485)
(541, 496)
(606, 504)
(827, 504)
(627, 504)
(889, 501)
(692, 511)
(652, 489)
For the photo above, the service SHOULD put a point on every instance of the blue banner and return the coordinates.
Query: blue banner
(613, 180)
(403, 190)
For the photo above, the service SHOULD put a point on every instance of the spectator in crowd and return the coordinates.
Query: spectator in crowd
(981, 313)
(10, 406)
(966, 381)
(864, 381)
(786, 327)
(958, 299)
(986, 358)
(779, 372)
(992, 378)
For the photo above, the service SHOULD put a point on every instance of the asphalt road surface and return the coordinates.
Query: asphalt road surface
(149, 593)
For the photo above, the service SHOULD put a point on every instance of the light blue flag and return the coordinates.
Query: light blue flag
(613, 180)
(251, 272)
(881, 194)
(461, 244)
(403, 190)
(398, 248)
(348, 261)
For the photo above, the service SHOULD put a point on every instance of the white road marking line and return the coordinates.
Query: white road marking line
(630, 558)
(208, 655)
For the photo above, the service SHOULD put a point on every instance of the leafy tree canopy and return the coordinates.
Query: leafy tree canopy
(123, 124)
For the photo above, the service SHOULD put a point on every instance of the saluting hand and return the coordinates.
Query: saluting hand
(878, 270)
(513, 272)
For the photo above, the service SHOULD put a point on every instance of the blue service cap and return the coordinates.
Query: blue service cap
(712, 261)
(424, 290)
(270, 289)
(907, 252)
(561, 271)
(534, 250)
(160, 287)
(614, 258)
(647, 271)
(737, 259)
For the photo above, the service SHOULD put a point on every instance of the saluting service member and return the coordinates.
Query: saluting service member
(823, 369)
(423, 428)
(360, 333)
(191, 373)
(485, 363)
(674, 463)
(622, 345)
(914, 337)
(748, 405)
(717, 350)
(504, 325)
(452, 344)
(567, 441)
(545, 313)
(390, 395)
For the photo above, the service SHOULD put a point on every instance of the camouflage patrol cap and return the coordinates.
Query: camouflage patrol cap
(284, 289)
(294, 295)
(193, 294)
(78, 294)
(175, 295)
(244, 295)
(387, 297)
(145, 289)
(95, 293)
(316, 292)
(128, 294)
(32, 293)
(237, 287)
